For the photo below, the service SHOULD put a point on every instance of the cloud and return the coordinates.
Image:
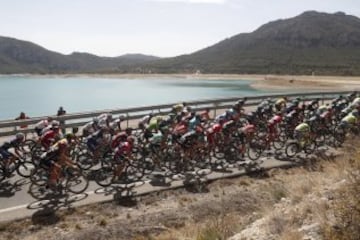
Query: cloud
(191, 1)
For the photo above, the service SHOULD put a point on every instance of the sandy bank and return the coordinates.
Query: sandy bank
(262, 82)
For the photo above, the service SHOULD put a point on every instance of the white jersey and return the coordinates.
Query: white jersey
(105, 116)
(145, 120)
(42, 124)
(115, 125)
(89, 127)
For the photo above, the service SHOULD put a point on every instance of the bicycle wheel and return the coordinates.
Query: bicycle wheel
(84, 161)
(36, 153)
(133, 172)
(278, 144)
(104, 176)
(254, 153)
(2, 173)
(292, 149)
(255, 149)
(24, 168)
(39, 176)
(310, 147)
(76, 181)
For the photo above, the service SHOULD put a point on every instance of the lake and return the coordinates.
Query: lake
(42, 95)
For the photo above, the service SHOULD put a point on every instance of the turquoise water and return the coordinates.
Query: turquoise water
(41, 96)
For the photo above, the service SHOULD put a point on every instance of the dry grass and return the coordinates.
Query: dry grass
(342, 221)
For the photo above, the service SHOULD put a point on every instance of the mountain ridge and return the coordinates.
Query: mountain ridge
(312, 42)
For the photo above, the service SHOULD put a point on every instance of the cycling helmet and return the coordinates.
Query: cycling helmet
(20, 136)
(109, 117)
(70, 136)
(55, 123)
(96, 120)
(122, 118)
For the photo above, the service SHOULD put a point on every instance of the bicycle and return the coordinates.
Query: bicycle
(121, 167)
(69, 179)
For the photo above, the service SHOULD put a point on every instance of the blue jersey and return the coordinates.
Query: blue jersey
(193, 123)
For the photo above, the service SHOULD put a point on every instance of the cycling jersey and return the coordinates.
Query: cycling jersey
(124, 149)
(95, 139)
(40, 126)
(193, 123)
(49, 137)
(156, 138)
(90, 128)
(145, 120)
(4, 148)
(120, 137)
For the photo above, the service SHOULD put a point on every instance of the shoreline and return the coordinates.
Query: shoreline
(260, 81)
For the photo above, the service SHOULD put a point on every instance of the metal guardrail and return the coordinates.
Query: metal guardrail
(9, 127)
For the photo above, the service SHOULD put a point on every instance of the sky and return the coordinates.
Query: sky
(163, 28)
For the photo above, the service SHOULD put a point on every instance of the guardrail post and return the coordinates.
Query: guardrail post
(215, 107)
(127, 120)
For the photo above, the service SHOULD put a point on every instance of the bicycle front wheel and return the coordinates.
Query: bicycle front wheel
(292, 149)
(76, 183)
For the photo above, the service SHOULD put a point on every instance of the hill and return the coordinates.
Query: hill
(311, 42)
(18, 56)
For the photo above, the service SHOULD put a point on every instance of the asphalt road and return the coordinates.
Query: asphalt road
(16, 202)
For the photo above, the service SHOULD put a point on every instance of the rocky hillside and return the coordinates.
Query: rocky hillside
(311, 42)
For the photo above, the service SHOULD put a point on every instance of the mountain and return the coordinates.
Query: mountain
(312, 42)
(18, 56)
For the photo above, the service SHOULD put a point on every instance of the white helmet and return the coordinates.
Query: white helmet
(55, 123)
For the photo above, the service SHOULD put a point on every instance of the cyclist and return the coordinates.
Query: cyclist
(350, 121)
(178, 108)
(8, 157)
(53, 124)
(280, 104)
(41, 125)
(302, 133)
(122, 152)
(205, 115)
(105, 119)
(90, 127)
(97, 139)
(195, 123)
(56, 158)
(144, 122)
(120, 137)
(50, 136)
(115, 126)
